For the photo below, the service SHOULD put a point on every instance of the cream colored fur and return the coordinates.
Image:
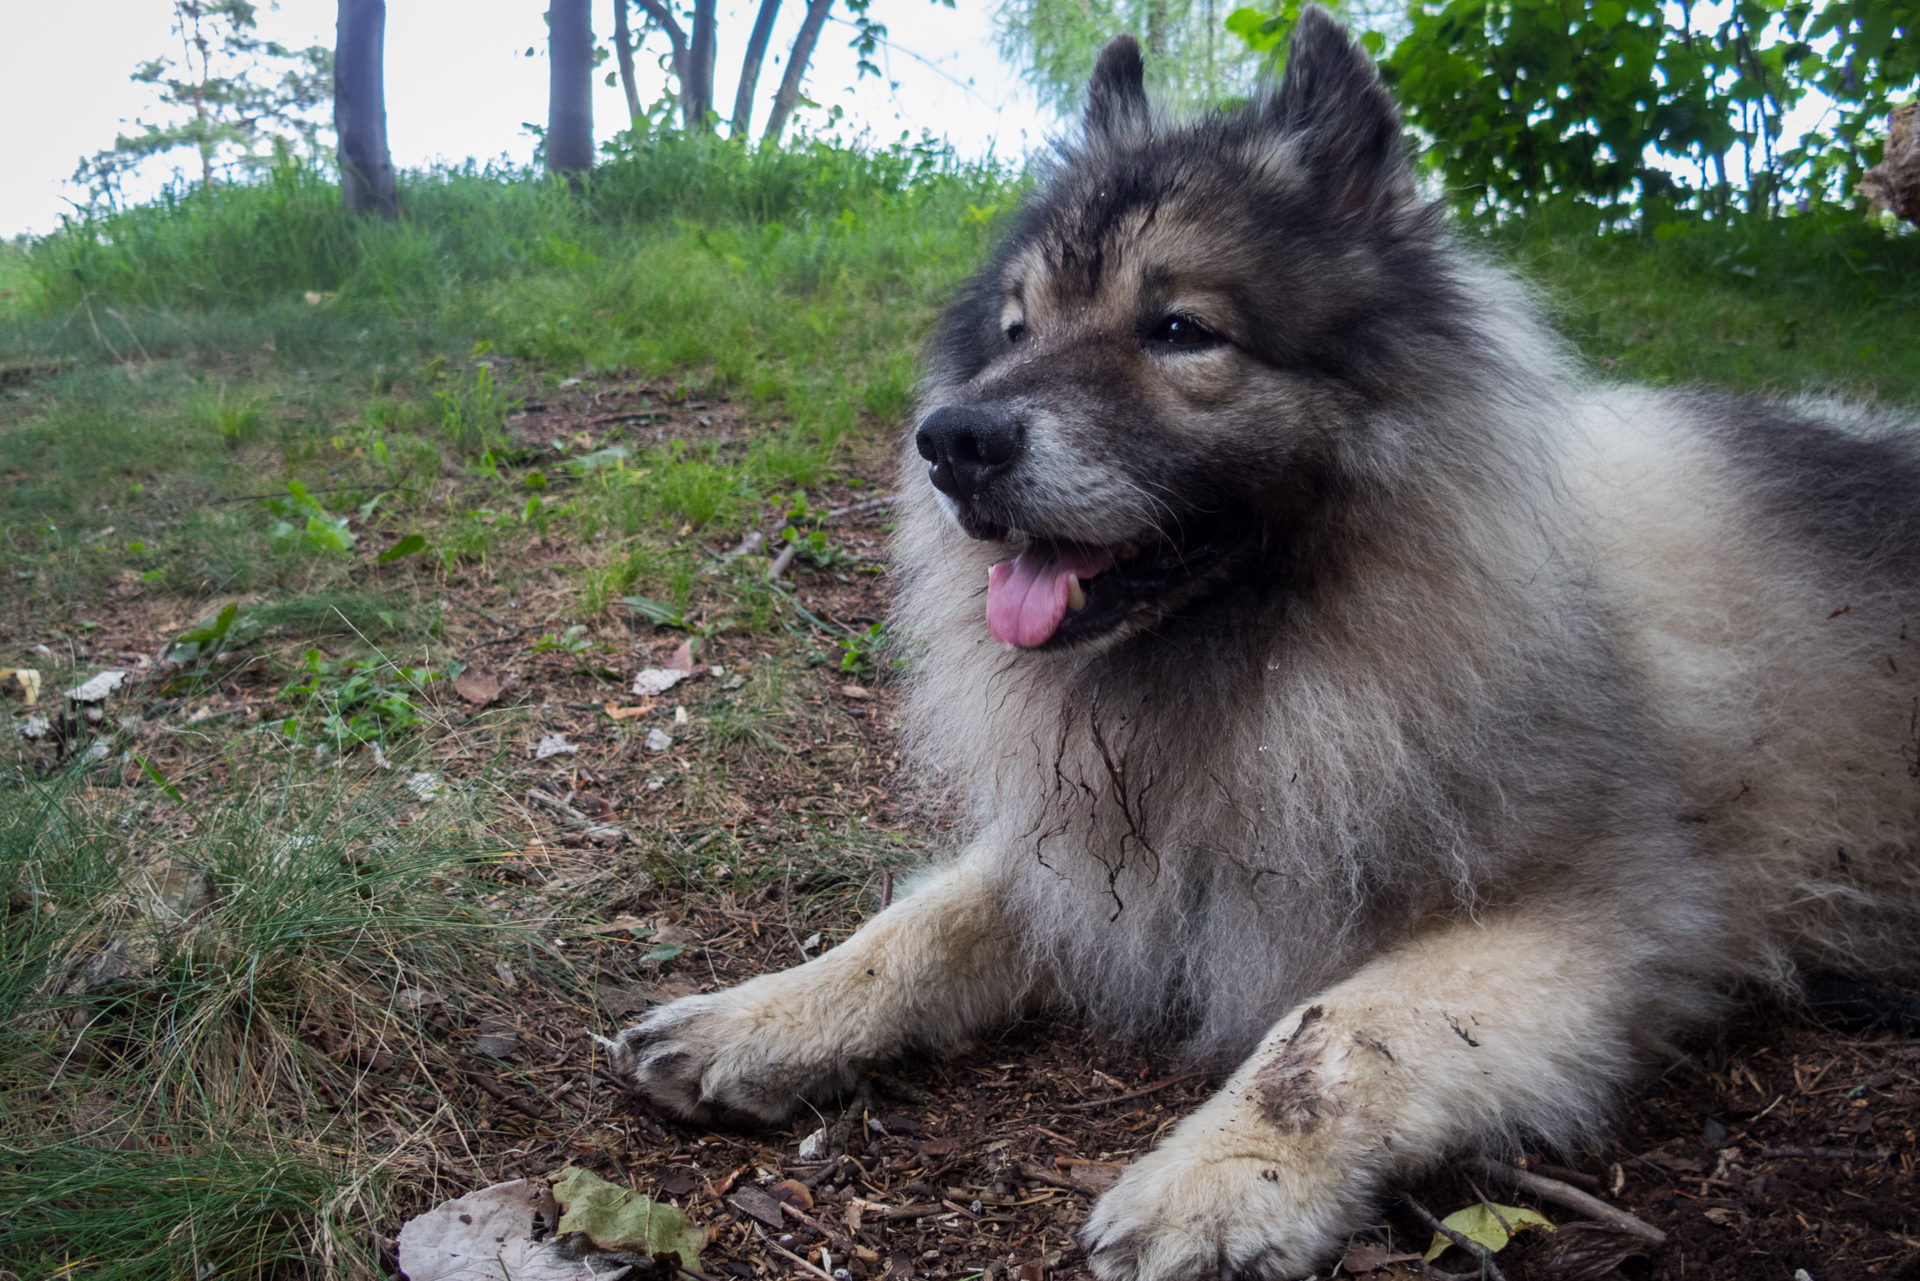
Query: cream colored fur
(1596, 704)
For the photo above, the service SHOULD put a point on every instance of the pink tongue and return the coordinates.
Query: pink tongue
(1027, 596)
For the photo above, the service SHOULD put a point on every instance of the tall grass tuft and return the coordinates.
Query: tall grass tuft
(186, 998)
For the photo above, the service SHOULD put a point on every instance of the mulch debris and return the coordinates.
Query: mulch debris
(1781, 1146)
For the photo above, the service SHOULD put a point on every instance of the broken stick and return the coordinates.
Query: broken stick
(1571, 1198)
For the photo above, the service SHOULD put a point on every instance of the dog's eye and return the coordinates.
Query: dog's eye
(1181, 331)
(1016, 333)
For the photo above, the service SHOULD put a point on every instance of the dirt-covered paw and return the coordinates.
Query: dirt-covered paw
(1179, 1215)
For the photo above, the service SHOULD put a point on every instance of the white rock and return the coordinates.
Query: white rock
(658, 740)
(656, 680)
(98, 687)
(35, 727)
(553, 745)
(427, 786)
(813, 1145)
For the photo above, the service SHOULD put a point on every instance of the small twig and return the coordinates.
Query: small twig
(920, 1211)
(782, 562)
(1571, 1198)
(864, 505)
(824, 1173)
(1828, 1154)
(775, 1246)
(1461, 1239)
(1562, 1173)
(513, 1101)
(886, 890)
(834, 1239)
(573, 818)
(1155, 1088)
(1034, 1174)
(457, 603)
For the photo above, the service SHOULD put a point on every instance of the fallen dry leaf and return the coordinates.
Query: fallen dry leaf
(620, 713)
(480, 685)
(496, 1037)
(488, 1234)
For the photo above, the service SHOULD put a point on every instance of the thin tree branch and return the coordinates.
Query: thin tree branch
(797, 60)
(750, 69)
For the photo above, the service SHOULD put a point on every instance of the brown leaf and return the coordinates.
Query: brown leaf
(682, 660)
(678, 1182)
(496, 1037)
(938, 1147)
(793, 1192)
(756, 1204)
(480, 686)
(855, 691)
(620, 713)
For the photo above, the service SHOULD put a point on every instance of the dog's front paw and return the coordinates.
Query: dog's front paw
(743, 1054)
(1186, 1214)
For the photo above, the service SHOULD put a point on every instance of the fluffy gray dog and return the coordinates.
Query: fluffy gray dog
(1332, 678)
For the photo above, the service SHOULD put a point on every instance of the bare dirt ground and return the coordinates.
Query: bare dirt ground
(1780, 1145)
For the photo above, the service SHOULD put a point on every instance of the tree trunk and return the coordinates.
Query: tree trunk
(623, 50)
(360, 109)
(569, 87)
(677, 44)
(1157, 29)
(750, 69)
(1894, 183)
(700, 58)
(803, 43)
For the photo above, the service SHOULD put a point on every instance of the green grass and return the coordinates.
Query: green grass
(171, 973)
(239, 397)
(1779, 308)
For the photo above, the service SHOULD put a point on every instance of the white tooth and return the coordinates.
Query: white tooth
(1076, 594)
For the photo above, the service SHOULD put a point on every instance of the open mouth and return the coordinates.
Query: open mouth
(1057, 593)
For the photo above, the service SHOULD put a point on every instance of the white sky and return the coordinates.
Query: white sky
(459, 83)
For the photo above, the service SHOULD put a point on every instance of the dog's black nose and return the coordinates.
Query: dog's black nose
(967, 446)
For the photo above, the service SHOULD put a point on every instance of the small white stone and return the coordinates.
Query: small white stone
(553, 745)
(658, 740)
(813, 1145)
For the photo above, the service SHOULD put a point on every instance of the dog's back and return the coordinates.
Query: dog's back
(1761, 565)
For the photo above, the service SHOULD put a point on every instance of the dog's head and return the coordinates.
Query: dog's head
(1173, 359)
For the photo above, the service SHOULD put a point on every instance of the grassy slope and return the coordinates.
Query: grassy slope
(159, 367)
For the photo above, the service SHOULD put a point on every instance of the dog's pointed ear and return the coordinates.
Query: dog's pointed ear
(1117, 94)
(1332, 104)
